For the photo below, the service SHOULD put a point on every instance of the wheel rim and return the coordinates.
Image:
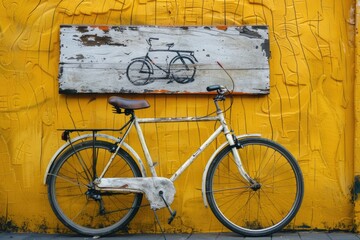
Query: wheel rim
(183, 73)
(256, 210)
(82, 208)
(138, 72)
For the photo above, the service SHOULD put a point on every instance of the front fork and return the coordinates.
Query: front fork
(235, 145)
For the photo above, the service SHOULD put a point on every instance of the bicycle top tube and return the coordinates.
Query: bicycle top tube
(177, 119)
(169, 45)
(128, 106)
(170, 50)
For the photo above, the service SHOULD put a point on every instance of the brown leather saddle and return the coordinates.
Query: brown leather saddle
(128, 104)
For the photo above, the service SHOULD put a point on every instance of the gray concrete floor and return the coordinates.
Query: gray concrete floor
(310, 235)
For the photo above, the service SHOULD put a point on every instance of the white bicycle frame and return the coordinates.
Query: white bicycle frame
(137, 121)
(222, 128)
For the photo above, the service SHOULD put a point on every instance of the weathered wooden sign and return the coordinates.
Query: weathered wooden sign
(144, 59)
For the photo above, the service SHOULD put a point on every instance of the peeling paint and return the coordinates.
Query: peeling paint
(266, 48)
(95, 40)
(176, 59)
(245, 31)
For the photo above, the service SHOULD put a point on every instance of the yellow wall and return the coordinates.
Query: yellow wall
(310, 109)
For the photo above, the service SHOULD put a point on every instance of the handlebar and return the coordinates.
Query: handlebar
(219, 88)
(213, 88)
(150, 39)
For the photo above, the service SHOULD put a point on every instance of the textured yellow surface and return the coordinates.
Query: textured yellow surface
(310, 109)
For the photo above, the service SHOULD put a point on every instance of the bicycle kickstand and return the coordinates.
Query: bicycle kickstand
(158, 222)
(172, 213)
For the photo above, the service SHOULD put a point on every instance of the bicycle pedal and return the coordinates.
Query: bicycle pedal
(172, 217)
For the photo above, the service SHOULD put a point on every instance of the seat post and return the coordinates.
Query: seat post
(145, 148)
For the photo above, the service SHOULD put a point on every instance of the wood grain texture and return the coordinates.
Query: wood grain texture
(110, 59)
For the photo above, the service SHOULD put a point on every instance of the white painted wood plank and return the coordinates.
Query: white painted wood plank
(103, 80)
(96, 59)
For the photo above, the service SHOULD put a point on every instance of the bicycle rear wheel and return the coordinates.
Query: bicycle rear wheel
(74, 199)
(138, 72)
(255, 211)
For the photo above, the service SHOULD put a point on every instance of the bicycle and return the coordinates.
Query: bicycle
(96, 181)
(181, 67)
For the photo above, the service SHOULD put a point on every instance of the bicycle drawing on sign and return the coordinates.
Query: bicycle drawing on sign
(181, 67)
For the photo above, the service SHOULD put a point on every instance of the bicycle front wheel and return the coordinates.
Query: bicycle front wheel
(261, 210)
(77, 203)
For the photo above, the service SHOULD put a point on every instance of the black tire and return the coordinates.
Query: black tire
(138, 72)
(74, 199)
(255, 212)
(182, 69)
